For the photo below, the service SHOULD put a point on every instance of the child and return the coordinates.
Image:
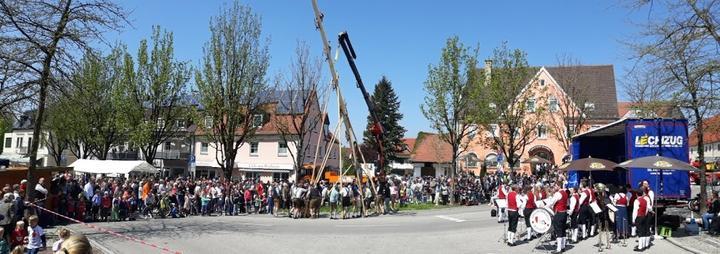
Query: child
(18, 235)
(106, 205)
(205, 200)
(63, 233)
(96, 202)
(80, 211)
(35, 234)
(4, 246)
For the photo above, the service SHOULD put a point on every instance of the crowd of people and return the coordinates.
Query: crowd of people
(577, 212)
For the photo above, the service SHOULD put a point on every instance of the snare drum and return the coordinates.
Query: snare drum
(541, 220)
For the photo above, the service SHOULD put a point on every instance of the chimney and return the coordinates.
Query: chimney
(488, 71)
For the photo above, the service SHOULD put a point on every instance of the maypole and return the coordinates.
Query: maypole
(342, 108)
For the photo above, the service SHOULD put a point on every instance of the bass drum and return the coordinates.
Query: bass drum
(541, 220)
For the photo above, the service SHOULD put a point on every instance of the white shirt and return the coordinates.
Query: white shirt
(554, 199)
(637, 207)
(583, 196)
(34, 234)
(89, 191)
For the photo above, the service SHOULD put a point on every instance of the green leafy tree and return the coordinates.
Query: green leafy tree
(231, 82)
(447, 93)
(387, 106)
(506, 106)
(157, 93)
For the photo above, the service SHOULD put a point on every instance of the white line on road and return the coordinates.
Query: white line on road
(449, 218)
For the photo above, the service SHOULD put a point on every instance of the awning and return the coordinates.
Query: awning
(112, 167)
(19, 158)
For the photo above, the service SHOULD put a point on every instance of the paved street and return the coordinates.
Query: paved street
(455, 230)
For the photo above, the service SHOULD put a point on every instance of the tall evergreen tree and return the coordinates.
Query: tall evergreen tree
(388, 110)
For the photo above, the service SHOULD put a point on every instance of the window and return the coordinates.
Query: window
(168, 145)
(252, 175)
(472, 131)
(208, 122)
(471, 160)
(203, 148)
(530, 105)
(553, 104)
(180, 124)
(8, 142)
(277, 177)
(160, 123)
(491, 160)
(254, 148)
(257, 120)
(571, 130)
(516, 133)
(29, 142)
(493, 132)
(19, 142)
(589, 106)
(542, 131)
(542, 82)
(282, 149)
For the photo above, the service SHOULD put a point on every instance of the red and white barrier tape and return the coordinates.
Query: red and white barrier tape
(107, 230)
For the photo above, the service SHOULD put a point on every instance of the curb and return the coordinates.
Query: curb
(687, 248)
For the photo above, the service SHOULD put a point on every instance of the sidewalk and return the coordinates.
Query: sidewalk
(703, 243)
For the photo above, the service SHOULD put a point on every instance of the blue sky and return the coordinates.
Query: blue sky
(400, 39)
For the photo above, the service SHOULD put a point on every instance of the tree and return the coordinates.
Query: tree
(157, 94)
(298, 97)
(570, 115)
(679, 50)
(387, 106)
(507, 106)
(231, 81)
(43, 37)
(447, 93)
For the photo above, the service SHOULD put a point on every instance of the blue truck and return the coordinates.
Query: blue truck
(633, 138)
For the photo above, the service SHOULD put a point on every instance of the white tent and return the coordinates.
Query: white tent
(112, 167)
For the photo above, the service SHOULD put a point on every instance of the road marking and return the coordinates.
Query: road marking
(367, 225)
(449, 218)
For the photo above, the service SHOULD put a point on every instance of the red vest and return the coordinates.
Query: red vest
(622, 201)
(562, 204)
(589, 197)
(642, 207)
(512, 201)
(531, 201)
(543, 195)
(577, 202)
(501, 192)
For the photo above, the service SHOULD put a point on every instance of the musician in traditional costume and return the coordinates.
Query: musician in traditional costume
(559, 205)
(529, 206)
(513, 205)
(651, 196)
(574, 211)
(641, 210)
(620, 201)
(502, 196)
(587, 197)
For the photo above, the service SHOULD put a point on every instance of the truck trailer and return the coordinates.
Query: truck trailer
(628, 139)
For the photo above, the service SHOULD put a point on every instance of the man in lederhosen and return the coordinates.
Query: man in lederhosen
(640, 218)
(530, 206)
(513, 202)
(574, 211)
(559, 204)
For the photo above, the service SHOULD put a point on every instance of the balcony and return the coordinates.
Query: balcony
(172, 155)
(127, 155)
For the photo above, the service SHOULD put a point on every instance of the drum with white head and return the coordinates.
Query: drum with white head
(541, 220)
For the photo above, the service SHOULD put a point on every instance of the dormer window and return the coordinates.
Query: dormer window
(257, 120)
(208, 122)
(589, 106)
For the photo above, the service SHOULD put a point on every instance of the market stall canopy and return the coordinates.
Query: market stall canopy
(657, 162)
(589, 164)
(112, 167)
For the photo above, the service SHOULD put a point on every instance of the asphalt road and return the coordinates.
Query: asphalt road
(453, 230)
